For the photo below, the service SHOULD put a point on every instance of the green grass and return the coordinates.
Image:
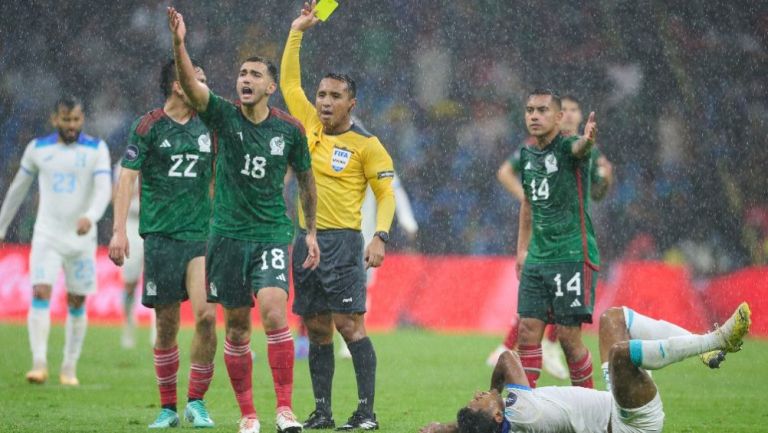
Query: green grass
(422, 377)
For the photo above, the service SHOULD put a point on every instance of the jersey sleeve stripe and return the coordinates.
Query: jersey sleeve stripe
(582, 220)
(148, 120)
(27, 171)
(280, 114)
(102, 172)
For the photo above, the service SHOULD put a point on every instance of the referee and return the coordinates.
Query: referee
(345, 159)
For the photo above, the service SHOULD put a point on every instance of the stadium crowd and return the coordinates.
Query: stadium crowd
(679, 91)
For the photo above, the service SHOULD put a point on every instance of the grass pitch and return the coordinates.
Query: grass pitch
(422, 377)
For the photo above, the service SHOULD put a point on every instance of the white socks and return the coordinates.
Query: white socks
(655, 354)
(606, 376)
(39, 326)
(77, 322)
(644, 328)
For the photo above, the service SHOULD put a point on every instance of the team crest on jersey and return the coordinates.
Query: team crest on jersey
(340, 159)
(276, 146)
(204, 142)
(550, 163)
(213, 290)
(151, 288)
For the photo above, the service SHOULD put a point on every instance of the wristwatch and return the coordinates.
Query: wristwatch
(384, 236)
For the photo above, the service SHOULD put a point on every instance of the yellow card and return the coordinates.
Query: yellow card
(325, 8)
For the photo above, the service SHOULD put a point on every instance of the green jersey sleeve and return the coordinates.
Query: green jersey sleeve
(514, 161)
(299, 158)
(137, 149)
(217, 112)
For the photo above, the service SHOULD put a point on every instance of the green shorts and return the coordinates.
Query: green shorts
(560, 293)
(237, 269)
(165, 269)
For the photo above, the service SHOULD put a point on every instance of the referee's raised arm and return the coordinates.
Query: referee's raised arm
(290, 77)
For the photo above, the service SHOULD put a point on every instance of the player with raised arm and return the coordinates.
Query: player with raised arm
(631, 343)
(74, 176)
(171, 149)
(345, 158)
(509, 176)
(250, 231)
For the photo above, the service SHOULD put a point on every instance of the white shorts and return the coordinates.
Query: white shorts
(644, 419)
(135, 262)
(78, 259)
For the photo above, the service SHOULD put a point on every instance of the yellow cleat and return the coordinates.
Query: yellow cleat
(68, 380)
(734, 330)
(713, 359)
(38, 375)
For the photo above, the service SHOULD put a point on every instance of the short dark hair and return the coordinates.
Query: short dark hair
(547, 92)
(571, 98)
(351, 86)
(475, 421)
(271, 68)
(168, 75)
(68, 102)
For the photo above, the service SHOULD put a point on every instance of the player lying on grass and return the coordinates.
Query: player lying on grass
(633, 406)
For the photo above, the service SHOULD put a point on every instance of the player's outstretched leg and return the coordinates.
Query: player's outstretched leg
(74, 336)
(656, 354)
(39, 326)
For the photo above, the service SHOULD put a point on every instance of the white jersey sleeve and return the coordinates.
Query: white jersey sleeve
(102, 184)
(18, 189)
(403, 209)
(557, 409)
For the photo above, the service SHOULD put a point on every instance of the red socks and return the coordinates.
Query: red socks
(581, 372)
(551, 334)
(530, 357)
(237, 357)
(166, 367)
(200, 376)
(510, 342)
(281, 358)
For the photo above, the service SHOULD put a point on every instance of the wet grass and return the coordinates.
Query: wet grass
(423, 376)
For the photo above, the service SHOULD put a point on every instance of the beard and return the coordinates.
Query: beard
(68, 136)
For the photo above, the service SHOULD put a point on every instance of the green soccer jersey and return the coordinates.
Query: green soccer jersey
(176, 166)
(557, 185)
(251, 163)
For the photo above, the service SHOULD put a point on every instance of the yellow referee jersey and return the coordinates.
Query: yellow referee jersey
(343, 164)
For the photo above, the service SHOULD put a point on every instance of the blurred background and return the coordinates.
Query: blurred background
(679, 91)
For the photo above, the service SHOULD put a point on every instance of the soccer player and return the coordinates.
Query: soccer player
(509, 176)
(73, 171)
(171, 149)
(556, 245)
(250, 231)
(133, 264)
(345, 158)
(631, 343)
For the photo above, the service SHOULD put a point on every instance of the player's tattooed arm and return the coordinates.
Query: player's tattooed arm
(196, 91)
(583, 146)
(308, 198)
(508, 371)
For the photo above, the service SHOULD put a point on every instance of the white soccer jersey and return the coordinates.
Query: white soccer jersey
(74, 182)
(556, 409)
(403, 211)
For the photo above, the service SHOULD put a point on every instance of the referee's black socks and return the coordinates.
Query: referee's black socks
(364, 360)
(321, 368)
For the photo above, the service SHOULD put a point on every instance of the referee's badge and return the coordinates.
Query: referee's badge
(340, 159)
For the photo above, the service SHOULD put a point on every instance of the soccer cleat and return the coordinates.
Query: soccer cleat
(713, 359)
(197, 414)
(552, 362)
(249, 425)
(319, 420)
(286, 422)
(360, 421)
(68, 380)
(166, 419)
(493, 358)
(735, 328)
(37, 375)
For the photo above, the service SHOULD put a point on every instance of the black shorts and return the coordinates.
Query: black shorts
(338, 284)
(165, 269)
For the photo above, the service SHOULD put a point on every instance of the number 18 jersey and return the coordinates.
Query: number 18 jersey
(557, 186)
(176, 165)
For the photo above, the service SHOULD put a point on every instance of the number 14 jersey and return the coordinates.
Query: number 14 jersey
(557, 185)
(176, 165)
